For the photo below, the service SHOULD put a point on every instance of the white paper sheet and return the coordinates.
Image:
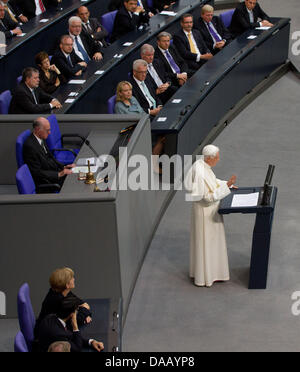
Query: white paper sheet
(77, 81)
(252, 37)
(245, 200)
(168, 13)
(262, 28)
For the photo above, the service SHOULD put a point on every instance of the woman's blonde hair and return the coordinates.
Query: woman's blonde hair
(60, 278)
(120, 88)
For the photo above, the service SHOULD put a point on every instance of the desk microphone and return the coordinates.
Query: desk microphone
(87, 142)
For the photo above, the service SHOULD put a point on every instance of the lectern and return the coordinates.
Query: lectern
(261, 233)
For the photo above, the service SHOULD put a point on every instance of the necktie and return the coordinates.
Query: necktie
(10, 13)
(34, 97)
(43, 9)
(82, 51)
(154, 75)
(192, 45)
(88, 28)
(69, 60)
(172, 62)
(3, 25)
(148, 95)
(251, 16)
(43, 146)
(213, 33)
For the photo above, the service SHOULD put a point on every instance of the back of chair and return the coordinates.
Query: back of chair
(54, 139)
(226, 17)
(19, 146)
(26, 314)
(19, 79)
(150, 4)
(24, 180)
(5, 98)
(108, 20)
(111, 104)
(20, 345)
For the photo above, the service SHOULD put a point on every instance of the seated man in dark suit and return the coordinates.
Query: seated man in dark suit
(14, 11)
(32, 8)
(85, 46)
(54, 328)
(117, 4)
(143, 90)
(7, 25)
(190, 44)
(66, 60)
(213, 31)
(174, 65)
(246, 17)
(129, 18)
(28, 98)
(92, 26)
(42, 164)
(157, 74)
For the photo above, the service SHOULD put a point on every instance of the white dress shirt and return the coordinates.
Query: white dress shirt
(75, 46)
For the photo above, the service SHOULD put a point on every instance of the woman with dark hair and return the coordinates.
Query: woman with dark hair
(50, 76)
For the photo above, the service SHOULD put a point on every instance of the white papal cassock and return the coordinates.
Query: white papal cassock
(208, 251)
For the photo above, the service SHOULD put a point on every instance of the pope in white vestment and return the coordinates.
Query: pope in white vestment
(208, 251)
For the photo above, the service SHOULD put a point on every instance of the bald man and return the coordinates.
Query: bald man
(92, 26)
(43, 166)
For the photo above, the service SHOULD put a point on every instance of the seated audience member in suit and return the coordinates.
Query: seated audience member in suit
(29, 98)
(14, 11)
(246, 17)
(213, 31)
(143, 90)
(7, 25)
(174, 65)
(66, 60)
(190, 44)
(92, 26)
(117, 4)
(163, 4)
(157, 74)
(128, 18)
(32, 8)
(54, 328)
(126, 103)
(62, 282)
(50, 76)
(85, 46)
(43, 166)
(59, 347)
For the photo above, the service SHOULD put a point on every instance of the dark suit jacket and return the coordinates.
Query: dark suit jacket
(61, 62)
(22, 101)
(124, 23)
(8, 24)
(44, 167)
(117, 4)
(179, 61)
(241, 21)
(159, 4)
(27, 7)
(182, 44)
(51, 330)
(98, 36)
(12, 5)
(138, 94)
(218, 25)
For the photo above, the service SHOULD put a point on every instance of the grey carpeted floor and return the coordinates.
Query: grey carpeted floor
(167, 312)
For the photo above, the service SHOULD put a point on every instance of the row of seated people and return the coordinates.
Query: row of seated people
(62, 316)
(193, 45)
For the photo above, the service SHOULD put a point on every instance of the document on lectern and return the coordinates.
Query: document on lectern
(245, 200)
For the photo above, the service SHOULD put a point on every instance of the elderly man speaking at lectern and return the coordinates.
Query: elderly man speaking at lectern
(208, 251)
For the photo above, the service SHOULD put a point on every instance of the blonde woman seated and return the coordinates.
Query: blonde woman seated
(126, 103)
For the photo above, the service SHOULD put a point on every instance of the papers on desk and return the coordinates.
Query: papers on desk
(176, 100)
(99, 72)
(127, 44)
(69, 100)
(118, 55)
(251, 37)
(168, 13)
(44, 20)
(84, 169)
(245, 200)
(162, 119)
(77, 82)
(21, 35)
(262, 28)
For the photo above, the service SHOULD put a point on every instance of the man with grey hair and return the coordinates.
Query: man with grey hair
(85, 46)
(60, 347)
(174, 65)
(143, 89)
(157, 75)
(208, 251)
